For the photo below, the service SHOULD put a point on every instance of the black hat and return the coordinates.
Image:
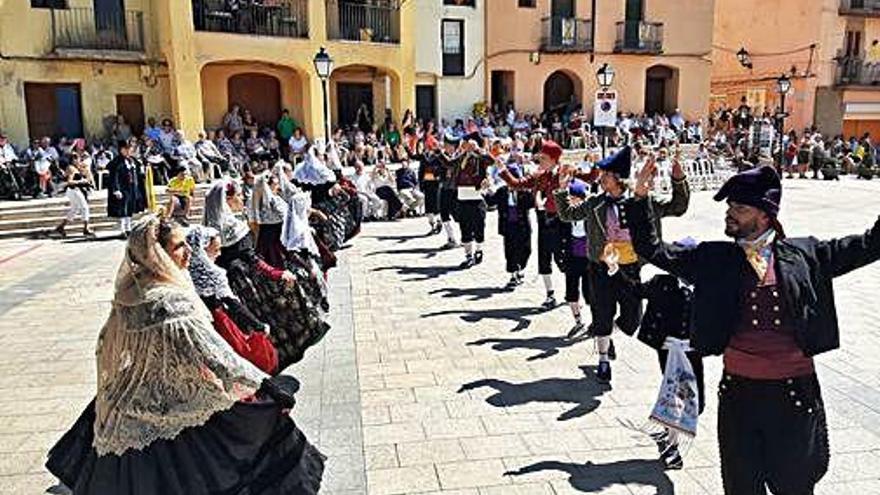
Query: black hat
(451, 138)
(476, 137)
(758, 187)
(619, 163)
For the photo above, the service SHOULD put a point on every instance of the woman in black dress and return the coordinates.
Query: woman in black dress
(176, 410)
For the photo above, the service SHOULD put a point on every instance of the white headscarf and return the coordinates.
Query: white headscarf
(218, 215)
(313, 171)
(296, 233)
(208, 278)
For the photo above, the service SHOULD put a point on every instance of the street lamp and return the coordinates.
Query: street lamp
(605, 77)
(744, 58)
(783, 86)
(323, 67)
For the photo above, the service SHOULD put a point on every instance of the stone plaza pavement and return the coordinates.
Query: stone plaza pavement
(438, 380)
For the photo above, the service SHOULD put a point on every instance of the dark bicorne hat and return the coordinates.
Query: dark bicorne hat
(515, 170)
(758, 187)
(620, 163)
(475, 137)
(578, 188)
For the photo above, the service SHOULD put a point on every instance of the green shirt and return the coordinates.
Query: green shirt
(286, 126)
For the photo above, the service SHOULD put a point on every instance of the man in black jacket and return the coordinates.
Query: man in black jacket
(765, 302)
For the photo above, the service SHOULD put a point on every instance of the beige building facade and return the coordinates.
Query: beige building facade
(824, 46)
(541, 54)
(78, 63)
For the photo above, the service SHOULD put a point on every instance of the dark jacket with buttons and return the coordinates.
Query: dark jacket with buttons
(805, 269)
(594, 211)
(667, 312)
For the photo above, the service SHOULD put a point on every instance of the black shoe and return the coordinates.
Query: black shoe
(612, 354)
(449, 245)
(603, 372)
(550, 302)
(478, 257)
(512, 283)
(575, 330)
(520, 279)
(436, 229)
(467, 263)
(672, 459)
(662, 441)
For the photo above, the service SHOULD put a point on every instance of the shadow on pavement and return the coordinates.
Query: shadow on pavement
(422, 272)
(516, 315)
(428, 252)
(399, 238)
(473, 293)
(549, 346)
(582, 392)
(594, 478)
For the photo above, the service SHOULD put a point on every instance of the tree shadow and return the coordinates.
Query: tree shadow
(592, 477)
(428, 252)
(582, 392)
(516, 315)
(549, 346)
(473, 293)
(421, 273)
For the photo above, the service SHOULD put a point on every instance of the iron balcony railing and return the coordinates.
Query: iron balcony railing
(860, 7)
(857, 71)
(284, 18)
(87, 29)
(566, 34)
(377, 21)
(639, 37)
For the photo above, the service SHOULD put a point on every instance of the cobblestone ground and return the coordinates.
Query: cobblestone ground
(437, 380)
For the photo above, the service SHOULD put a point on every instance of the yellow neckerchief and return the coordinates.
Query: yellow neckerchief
(759, 252)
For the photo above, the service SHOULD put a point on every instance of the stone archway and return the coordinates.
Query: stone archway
(356, 90)
(262, 88)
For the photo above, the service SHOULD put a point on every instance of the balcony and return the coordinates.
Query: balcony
(864, 8)
(86, 29)
(376, 21)
(856, 71)
(282, 18)
(566, 35)
(639, 37)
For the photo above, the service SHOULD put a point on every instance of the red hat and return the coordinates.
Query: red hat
(551, 149)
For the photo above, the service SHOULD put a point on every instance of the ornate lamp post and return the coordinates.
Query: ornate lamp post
(605, 77)
(783, 86)
(323, 67)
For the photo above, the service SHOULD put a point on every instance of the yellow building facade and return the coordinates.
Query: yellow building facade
(73, 68)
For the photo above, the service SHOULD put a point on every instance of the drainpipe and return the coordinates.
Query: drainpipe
(593, 34)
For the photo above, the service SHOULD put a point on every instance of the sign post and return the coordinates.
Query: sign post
(605, 113)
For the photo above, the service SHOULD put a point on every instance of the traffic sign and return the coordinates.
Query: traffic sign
(605, 108)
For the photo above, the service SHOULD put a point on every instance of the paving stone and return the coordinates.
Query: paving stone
(429, 452)
(402, 480)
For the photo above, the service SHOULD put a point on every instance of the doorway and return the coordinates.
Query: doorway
(53, 110)
(502, 89)
(131, 107)
(260, 94)
(110, 22)
(426, 102)
(559, 92)
(661, 90)
(349, 98)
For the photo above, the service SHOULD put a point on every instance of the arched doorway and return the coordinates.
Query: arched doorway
(263, 89)
(661, 90)
(258, 93)
(561, 92)
(363, 96)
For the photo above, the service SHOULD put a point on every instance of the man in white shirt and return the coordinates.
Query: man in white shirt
(372, 205)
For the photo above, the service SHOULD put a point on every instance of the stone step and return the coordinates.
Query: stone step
(55, 209)
(107, 226)
(51, 220)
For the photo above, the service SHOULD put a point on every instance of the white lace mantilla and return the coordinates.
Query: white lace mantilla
(163, 368)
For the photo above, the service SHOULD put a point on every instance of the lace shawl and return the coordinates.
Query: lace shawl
(208, 278)
(296, 232)
(313, 171)
(218, 215)
(161, 366)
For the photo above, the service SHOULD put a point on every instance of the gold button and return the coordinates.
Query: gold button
(754, 295)
(791, 393)
(789, 381)
(754, 307)
(776, 308)
(755, 322)
(810, 410)
(775, 294)
(777, 322)
(797, 403)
